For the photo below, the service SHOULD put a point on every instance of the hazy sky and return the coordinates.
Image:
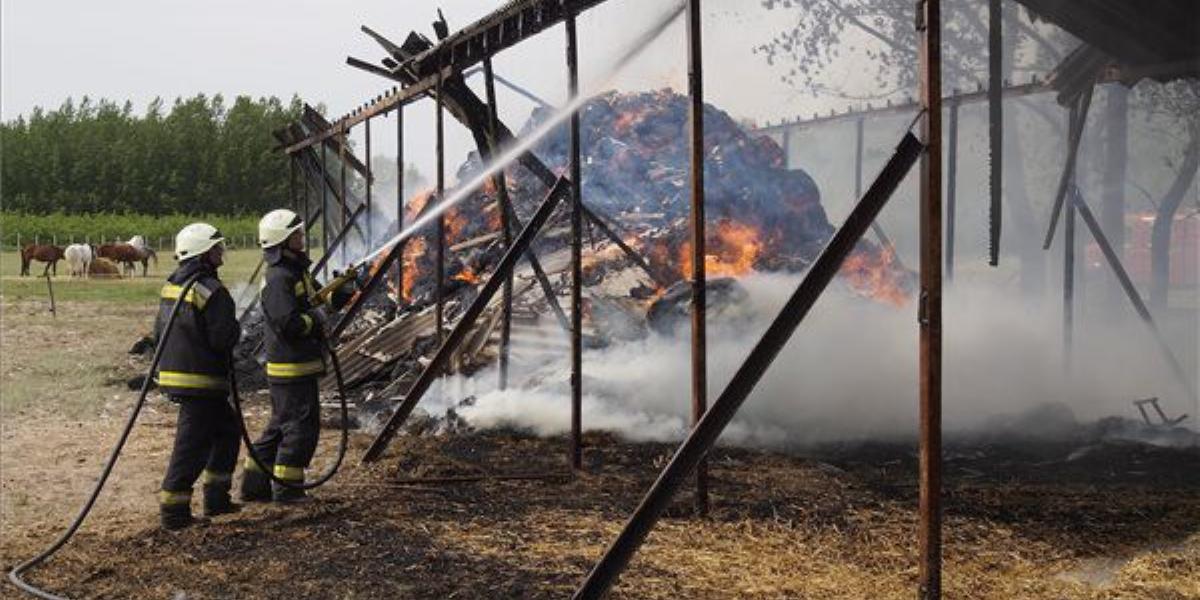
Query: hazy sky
(140, 49)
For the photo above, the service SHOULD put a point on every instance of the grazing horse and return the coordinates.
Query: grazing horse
(47, 253)
(127, 254)
(79, 259)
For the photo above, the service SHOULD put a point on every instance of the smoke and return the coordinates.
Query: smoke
(850, 372)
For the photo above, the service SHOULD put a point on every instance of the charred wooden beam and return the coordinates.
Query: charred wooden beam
(463, 49)
(315, 121)
(501, 184)
(466, 322)
(704, 435)
(699, 254)
(995, 130)
(576, 446)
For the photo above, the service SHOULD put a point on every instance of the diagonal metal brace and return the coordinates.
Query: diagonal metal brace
(704, 435)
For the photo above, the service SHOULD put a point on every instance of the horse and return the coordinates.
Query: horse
(79, 258)
(47, 253)
(127, 254)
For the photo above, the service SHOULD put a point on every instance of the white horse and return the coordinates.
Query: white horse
(79, 259)
(138, 242)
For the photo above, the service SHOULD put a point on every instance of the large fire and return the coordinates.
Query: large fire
(873, 272)
(730, 250)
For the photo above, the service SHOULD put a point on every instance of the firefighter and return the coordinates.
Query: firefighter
(295, 361)
(193, 370)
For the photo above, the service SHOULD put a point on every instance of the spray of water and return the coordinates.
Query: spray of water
(512, 153)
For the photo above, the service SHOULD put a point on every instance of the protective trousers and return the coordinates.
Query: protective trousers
(290, 439)
(206, 441)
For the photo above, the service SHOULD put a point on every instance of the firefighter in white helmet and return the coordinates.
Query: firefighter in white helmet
(295, 361)
(193, 370)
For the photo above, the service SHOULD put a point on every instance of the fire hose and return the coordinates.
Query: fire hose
(17, 572)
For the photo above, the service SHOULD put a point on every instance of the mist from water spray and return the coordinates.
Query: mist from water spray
(522, 145)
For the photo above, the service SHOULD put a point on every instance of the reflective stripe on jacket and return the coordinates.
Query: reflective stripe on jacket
(195, 361)
(292, 339)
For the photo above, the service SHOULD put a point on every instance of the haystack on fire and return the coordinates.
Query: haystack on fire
(777, 350)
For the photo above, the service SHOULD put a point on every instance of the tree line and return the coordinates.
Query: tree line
(200, 155)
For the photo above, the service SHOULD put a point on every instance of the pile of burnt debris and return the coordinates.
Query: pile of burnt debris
(636, 254)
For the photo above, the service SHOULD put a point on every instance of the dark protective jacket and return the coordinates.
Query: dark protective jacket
(293, 333)
(195, 359)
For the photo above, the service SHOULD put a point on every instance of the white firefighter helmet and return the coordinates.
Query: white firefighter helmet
(196, 239)
(276, 226)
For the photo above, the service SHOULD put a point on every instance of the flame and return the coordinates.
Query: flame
(468, 275)
(874, 273)
(456, 224)
(413, 251)
(731, 249)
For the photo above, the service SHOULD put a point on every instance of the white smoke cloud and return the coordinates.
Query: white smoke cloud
(850, 372)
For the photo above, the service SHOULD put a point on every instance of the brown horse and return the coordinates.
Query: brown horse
(127, 254)
(47, 253)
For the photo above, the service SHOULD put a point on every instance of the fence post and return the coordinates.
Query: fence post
(37, 239)
(54, 239)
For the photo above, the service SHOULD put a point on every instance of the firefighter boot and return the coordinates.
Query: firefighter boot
(294, 476)
(256, 485)
(175, 510)
(217, 501)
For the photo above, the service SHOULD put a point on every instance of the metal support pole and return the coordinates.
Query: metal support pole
(324, 213)
(345, 197)
(446, 349)
(307, 216)
(440, 234)
(929, 23)
(1078, 118)
(367, 182)
(400, 201)
(704, 435)
(501, 184)
(995, 129)
(858, 157)
(699, 283)
(1068, 332)
(576, 446)
(787, 148)
(951, 189)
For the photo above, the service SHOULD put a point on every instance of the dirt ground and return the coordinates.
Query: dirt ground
(1051, 520)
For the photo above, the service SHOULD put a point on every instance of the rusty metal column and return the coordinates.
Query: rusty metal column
(400, 201)
(929, 21)
(951, 187)
(576, 256)
(367, 180)
(440, 246)
(324, 212)
(699, 284)
(501, 183)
